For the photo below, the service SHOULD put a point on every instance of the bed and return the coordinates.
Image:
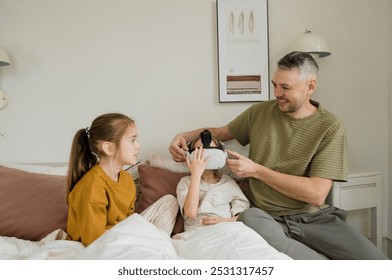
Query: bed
(33, 215)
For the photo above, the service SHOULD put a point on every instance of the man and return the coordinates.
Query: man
(296, 150)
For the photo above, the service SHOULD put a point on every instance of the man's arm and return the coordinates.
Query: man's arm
(178, 146)
(312, 190)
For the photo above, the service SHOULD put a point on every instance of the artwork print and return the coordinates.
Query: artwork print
(243, 50)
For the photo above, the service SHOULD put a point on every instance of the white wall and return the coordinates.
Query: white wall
(73, 60)
(157, 62)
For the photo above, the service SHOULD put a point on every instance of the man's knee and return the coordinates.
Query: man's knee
(250, 215)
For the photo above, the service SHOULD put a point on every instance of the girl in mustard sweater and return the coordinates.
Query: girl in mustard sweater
(100, 193)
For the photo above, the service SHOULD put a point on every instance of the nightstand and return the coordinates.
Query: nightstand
(361, 191)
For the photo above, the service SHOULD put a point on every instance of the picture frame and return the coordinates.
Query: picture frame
(243, 55)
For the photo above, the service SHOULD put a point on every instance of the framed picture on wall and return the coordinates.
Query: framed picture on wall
(243, 50)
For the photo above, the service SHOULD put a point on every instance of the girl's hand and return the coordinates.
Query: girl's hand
(198, 164)
(216, 220)
(196, 167)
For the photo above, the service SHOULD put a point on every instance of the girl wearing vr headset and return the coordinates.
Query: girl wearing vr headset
(207, 196)
(100, 193)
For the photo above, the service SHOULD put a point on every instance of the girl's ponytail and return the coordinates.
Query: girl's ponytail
(81, 158)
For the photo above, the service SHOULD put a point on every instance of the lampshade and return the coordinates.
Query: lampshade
(311, 43)
(4, 58)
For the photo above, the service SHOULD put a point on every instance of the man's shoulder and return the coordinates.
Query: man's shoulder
(329, 116)
(330, 121)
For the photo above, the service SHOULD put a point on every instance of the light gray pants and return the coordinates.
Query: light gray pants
(320, 235)
(162, 213)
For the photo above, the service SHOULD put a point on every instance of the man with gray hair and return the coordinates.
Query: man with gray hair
(296, 150)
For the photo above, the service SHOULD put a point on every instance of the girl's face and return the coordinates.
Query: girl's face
(129, 147)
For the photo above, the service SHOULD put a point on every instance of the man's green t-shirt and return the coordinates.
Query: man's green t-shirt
(315, 146)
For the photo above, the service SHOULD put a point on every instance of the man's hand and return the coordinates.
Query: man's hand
(312, 190)
(240, 165)
(178, 148)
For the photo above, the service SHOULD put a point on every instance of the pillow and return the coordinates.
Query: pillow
(167, 163)
(49, 168)
(32, 205)
(133, 170)
(156, 182)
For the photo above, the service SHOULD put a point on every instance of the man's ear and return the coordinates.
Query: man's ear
(312, 85)
(108, 148)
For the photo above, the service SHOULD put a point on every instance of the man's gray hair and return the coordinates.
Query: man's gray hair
(302, 61)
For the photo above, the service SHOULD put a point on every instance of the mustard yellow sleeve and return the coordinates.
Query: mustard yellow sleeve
(87, 214)
(92, 220)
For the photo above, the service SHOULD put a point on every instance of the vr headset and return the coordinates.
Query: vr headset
(218, 154)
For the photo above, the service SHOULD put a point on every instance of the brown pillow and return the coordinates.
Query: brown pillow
(32, 205)
(155, 183)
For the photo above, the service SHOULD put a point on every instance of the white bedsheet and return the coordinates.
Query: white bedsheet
(136, 238)
(52, 246)
(133, 238)
(225, 241)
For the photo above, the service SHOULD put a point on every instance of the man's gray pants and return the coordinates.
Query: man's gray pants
(320, 235)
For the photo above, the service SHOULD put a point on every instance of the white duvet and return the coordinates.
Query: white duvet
(136, 238)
